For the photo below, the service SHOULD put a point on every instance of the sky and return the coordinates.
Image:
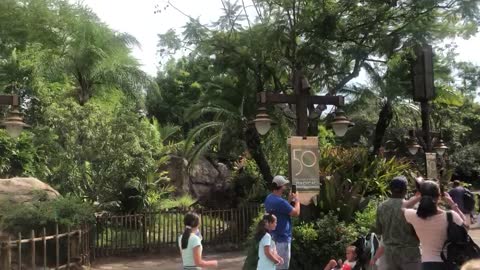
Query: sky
(137, 18)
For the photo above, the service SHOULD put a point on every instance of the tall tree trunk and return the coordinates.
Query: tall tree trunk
(384, 119)
(255, 149)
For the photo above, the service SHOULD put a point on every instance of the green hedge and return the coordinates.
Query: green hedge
(64, 211)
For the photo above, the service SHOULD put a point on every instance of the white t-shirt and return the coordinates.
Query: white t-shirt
(264, 263)
(432, 232)
(187, 254)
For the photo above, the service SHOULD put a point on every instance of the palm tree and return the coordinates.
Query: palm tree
(224, 128)
(97, 56)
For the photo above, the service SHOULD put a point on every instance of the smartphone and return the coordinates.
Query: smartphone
(442, 188)
(294, 190)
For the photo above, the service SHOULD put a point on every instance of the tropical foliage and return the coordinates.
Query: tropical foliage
(102, 130)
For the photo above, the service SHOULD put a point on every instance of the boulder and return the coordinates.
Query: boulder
(177, 172)
(20, 190)
(203, 172)
(206, 180)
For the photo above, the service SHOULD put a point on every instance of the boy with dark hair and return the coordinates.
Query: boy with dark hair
(400, 243)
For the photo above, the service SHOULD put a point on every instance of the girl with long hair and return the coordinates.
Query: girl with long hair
(190, 245)
(267, 254)
(430, 223)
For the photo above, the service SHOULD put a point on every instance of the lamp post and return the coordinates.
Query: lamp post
(13, 123)
(302, 101)
(424, 92)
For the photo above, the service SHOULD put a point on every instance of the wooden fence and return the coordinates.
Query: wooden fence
(115, 235)
(57, 251)
(119, 234)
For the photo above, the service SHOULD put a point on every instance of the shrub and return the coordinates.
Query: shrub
(351, 175)
(315, 243)
(365, 220)
(64, 211)
(248, 184)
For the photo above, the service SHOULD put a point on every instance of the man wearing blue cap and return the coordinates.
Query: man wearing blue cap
(283, 210)
(401, 245)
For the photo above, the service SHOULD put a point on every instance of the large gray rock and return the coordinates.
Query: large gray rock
(206, 180)
(203, 172)
(21, 190)
(178, 174)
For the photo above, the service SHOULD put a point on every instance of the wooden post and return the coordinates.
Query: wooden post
(44, 241)
(5, 260)
(57, 248)
(144, 230)
(68, 247)
(81, 252)
(32, 242)
(19, 255)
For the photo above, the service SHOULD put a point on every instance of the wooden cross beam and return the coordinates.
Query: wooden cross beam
(9, 100)
(302, 100)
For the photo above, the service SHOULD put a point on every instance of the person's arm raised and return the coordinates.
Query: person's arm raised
(296, 209)
(410, 203)
(197, 257)
(454, 206)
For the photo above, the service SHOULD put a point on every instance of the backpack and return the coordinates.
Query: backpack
(468, 201)
(459, 247)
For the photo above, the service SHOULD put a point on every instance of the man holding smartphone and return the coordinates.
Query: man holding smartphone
(281, 208)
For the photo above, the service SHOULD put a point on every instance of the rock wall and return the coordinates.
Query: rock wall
(206, 180)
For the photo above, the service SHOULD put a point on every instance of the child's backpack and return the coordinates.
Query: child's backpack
(468, 201)
(459, 247)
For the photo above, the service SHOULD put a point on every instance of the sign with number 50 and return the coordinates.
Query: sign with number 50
(304, 171)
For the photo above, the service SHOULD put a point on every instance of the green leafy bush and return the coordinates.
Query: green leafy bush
(64, 211)
(365, 220)
(466, 162)
(315, 243)
(248, 184)
(350, 176)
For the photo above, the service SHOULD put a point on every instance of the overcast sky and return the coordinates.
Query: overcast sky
(137, 18)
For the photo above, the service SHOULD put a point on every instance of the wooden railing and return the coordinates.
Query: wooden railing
(160, 230)
(56, 251)
(119, 234)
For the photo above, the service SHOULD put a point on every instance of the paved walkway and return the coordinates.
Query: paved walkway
(227, 261)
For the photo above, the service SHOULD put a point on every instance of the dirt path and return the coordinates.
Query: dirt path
(227, 261)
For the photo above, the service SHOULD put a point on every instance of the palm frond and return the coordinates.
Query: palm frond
(195, 132)
(201, 148)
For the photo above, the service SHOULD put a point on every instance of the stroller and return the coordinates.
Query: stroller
(366, 246)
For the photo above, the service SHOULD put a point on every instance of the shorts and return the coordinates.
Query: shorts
(283, 250)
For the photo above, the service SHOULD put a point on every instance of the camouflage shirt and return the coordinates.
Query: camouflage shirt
(393, 227)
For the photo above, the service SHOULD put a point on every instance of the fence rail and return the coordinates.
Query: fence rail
(118, 234)
(56, 251)
(159, 230)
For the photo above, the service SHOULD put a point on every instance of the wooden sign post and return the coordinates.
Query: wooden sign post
(431, 165)
(303, 164)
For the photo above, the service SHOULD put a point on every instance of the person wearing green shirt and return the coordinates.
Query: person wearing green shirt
(400, 243)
